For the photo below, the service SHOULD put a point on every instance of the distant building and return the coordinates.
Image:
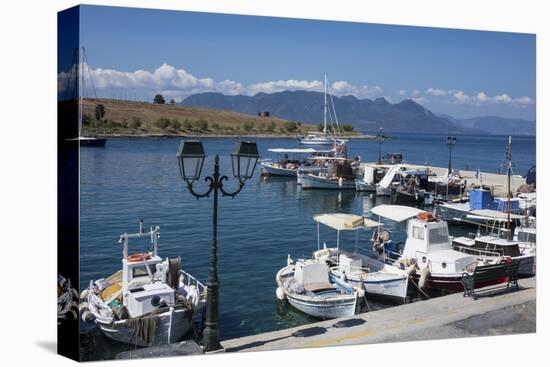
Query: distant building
(264, 114)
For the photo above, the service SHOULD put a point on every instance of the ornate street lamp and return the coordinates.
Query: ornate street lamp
(451, 141)
(380, 138)
(190, 160)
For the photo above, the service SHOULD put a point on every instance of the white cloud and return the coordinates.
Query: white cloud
(419, 100)
(481, 98)
(436, 92)
(402, 92)
(415, 92)
(178, 84)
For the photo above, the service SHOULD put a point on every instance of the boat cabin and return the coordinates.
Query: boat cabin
(144, 276)
(392, 158)
(428, 240)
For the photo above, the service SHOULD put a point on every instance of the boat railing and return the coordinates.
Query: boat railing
(189, 280)
(352, 268)
(476, 251)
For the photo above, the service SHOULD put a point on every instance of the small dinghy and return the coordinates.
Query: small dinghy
(149, 302)
(306, 286)
(67, 300)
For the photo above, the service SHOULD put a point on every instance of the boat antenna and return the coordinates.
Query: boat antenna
(509, 173)
(325, 111)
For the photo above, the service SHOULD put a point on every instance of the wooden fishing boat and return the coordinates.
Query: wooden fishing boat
(150, 301)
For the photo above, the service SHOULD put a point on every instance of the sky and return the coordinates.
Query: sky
(136, 53)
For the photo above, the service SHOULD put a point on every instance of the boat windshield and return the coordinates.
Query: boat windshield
(438, 235)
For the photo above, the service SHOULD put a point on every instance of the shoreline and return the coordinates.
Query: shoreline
(217, 136)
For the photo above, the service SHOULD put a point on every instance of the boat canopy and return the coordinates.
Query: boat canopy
(493, 215)
(386, 181)
(397, 213)
(345, 222)
(293, 150)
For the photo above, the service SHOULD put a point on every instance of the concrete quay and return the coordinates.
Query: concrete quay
(498, 311)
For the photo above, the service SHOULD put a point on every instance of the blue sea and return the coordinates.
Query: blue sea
(130, 179)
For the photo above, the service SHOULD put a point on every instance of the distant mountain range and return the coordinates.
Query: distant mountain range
(364, 114)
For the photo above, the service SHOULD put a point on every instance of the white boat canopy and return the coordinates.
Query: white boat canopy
(397, 213)
(345, 222)
(293, 150)
(388, 177)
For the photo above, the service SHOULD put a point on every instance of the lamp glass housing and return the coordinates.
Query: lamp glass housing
(243, 160)
(190, 159)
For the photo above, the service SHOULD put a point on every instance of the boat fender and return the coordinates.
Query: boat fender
(340, 182)
(72, 315)
(193, 296)
(280, 293)
(84, 294)
(411, 269)
(83, 306)
(424, 276)
(87, 316)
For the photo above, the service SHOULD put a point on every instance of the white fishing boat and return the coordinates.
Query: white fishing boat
(306, 286)
(427, 252)
(286, 166)
(304, 160)
(359, 270)
(335, 174)
(67, 300)
(150, 301)
(326, 137)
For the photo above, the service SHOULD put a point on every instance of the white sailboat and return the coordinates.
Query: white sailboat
(325, 137)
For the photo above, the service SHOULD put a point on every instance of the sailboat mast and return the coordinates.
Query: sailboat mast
(80, 82)
(325, 113)
(509, 158)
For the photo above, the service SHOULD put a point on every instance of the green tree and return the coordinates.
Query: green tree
(86, 120)
(159, 99)
(248, 125)
(271, 127)
(201, 124)
(162, 123)
(347, 127)
(99, 112)
(187, 124)
(172, 102)
(136, 122)
(176, 125)
(291, 126)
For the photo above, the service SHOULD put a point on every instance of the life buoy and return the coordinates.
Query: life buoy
(138, 257)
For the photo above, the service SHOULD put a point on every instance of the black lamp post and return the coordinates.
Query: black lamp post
(190, 160)
(380, 139)
(451, 141)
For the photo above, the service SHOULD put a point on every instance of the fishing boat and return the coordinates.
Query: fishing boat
(305, 284)
(325, 137)
(150, 301)
(481, 208)
(427, 252)
(359, 270)
(335, 173)
(67, 300)
(289, 167)
(492, 247)
(285, 166)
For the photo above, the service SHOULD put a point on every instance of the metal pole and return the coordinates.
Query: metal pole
(449, 142)
(211, 334)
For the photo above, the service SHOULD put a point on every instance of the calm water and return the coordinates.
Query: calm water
(138, 178)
